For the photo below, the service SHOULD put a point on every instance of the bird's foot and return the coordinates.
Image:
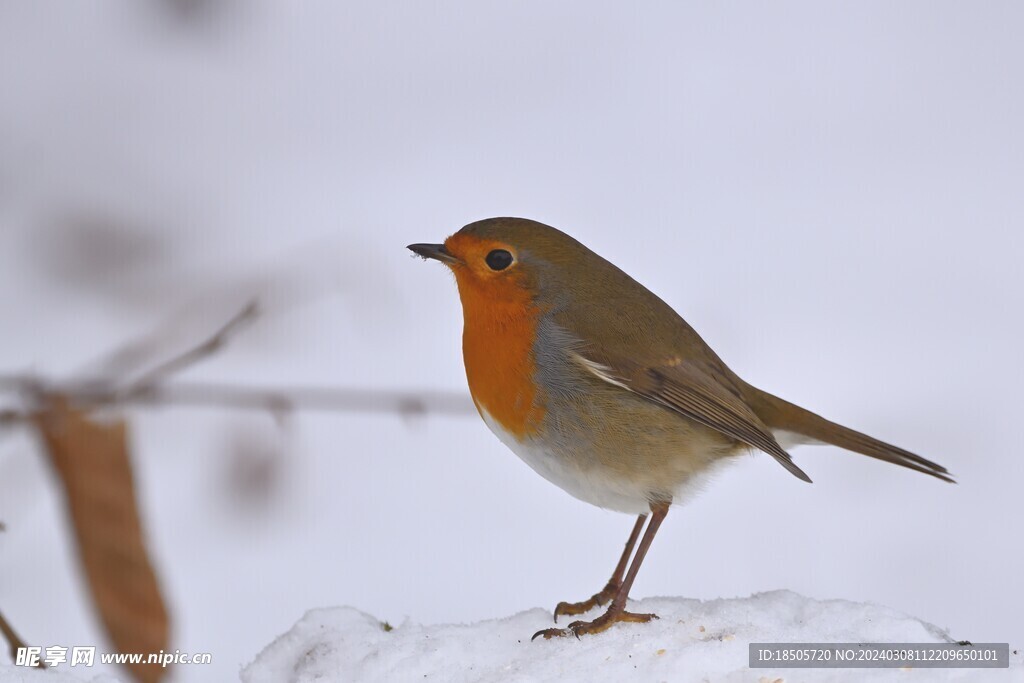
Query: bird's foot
(571, 609)
(602, 623)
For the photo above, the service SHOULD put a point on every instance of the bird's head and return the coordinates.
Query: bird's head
(505, 260)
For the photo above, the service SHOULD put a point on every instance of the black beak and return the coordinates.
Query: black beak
(434, 251)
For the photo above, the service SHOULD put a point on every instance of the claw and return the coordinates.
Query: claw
(549, 633)
(599, 625)
(571, 609)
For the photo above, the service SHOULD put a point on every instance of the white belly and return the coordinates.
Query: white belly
(590, 486)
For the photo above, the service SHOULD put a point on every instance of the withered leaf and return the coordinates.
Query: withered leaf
(93, 462)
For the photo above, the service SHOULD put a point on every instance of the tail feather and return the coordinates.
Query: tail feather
(782, 415)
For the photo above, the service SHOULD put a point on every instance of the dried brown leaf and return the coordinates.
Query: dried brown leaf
(93, 462)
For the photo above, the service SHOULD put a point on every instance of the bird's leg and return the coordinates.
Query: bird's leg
(617, 610)
(612, 587)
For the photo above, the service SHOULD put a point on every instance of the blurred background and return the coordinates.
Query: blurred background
(830, 194)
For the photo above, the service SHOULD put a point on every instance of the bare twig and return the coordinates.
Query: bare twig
(221, 337)
(14, 642)
(16, 383)
(273, 399)
(405, 403)
(9, 417)
(151, 389)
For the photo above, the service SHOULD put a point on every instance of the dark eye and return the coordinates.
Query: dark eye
(499, 259)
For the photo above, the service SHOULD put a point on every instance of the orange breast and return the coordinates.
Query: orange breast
(497, 346)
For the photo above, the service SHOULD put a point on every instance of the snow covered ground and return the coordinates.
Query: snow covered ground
(694, 640)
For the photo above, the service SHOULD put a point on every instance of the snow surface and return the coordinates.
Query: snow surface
(694, 640)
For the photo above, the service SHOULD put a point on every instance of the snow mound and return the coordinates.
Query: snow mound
(693, 641)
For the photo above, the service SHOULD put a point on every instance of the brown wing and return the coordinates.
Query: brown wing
(692, 391)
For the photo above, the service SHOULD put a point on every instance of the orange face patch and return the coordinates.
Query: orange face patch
(500, 326)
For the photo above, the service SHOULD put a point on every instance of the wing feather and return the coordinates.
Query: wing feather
(696, 394)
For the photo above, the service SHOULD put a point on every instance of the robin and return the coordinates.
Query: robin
(599, 386)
